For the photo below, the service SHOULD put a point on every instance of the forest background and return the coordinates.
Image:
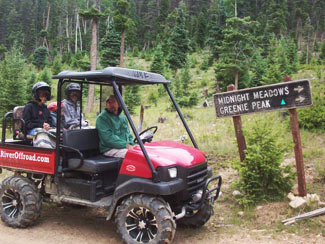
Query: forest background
(248, 43)
(201, 46)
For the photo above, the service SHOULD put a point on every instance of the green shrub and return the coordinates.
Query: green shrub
(261, 176)
(193, 61)
(312, 118)
(205, 64)
(153, 97)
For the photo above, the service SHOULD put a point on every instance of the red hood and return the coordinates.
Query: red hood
(168, 153)
(161, 153)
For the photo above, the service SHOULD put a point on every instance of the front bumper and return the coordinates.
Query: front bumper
(208, 194)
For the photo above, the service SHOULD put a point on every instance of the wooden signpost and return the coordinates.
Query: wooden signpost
(286, 95)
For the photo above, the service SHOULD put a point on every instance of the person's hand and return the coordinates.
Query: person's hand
(128, 146)
(46, 126)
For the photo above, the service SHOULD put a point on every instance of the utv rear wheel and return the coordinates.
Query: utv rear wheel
(145, 219)
(20, 202)
(197, 218)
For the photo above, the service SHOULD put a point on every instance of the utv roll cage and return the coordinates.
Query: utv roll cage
(115, 77)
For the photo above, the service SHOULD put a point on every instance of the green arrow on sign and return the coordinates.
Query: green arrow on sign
(283, 102)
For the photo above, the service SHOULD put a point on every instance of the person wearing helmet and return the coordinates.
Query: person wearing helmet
(36, 115)
(71, 108)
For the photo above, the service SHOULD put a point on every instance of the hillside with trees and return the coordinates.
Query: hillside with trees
(201, 46)
(247, 43)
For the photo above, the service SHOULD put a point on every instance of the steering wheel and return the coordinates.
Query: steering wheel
(147, 134)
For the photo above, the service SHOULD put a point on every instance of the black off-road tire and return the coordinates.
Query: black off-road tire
(199, 218)
(20, 202)
(145, 219)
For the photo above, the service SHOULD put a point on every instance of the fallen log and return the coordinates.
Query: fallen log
(311, 214)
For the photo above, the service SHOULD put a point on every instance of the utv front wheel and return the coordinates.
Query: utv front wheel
(145, 219)
(20, 202)
(197, 218)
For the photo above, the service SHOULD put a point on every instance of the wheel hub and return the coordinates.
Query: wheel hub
(141, 224)
(14, 203)
(11, 203)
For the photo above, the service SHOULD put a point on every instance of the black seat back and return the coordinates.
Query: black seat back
(85, 140)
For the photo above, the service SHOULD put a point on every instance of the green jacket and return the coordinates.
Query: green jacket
(113, 131)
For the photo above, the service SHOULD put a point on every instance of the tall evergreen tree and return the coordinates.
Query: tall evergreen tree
(157, 65)
(273, 72)
(216, 24)
(178, 42)
(201, 29)
(259, 66)
(110, 47)
(12, 83)
(276, 20)
(122, 22)
(40, 57)
(292, 54)
(236, 49)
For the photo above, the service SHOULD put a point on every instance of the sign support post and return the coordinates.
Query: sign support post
(294, 124)
(241, 142)
(298, 152)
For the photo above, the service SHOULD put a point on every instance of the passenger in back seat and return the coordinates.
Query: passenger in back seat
(71, 108)
(36, 115)
(115, 138)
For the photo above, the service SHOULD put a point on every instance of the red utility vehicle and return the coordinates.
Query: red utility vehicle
(156, 185)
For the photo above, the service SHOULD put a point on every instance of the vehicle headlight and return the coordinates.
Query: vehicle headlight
(172, 172)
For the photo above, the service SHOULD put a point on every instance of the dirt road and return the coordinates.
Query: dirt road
(66, 225)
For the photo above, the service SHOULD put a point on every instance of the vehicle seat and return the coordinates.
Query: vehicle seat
(87, 142)
(19, 124)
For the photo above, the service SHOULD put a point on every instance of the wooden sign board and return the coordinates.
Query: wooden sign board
(263, 98)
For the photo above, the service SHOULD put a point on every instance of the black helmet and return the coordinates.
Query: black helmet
(72, 87)
(41, 85)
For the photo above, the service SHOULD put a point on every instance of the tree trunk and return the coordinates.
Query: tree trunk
(314, 41)
(76, 33)
(93, 63)
(122, 49)
(47, 25)
(67, 32)
(236, 79)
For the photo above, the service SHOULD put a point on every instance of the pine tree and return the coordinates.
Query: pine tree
(236, 50)
(57, 65)
(283, 62)
(12, 92)
(201, 29)
(178, 42)
(277, 12)
(110, 47)
(157, 65)
(122, 22)
(216, 23)
(45, 76)
(40, 57)
(183, 96)
(31, 80)
(258, 68)
(132, 98)
(292, 54)
(273, 73)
